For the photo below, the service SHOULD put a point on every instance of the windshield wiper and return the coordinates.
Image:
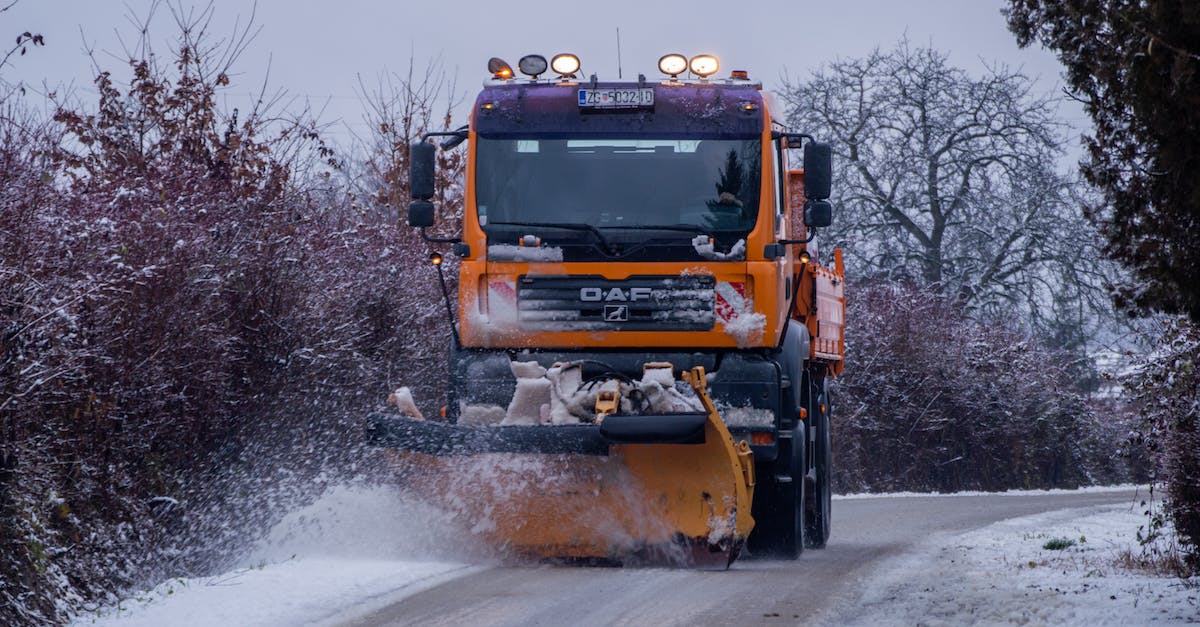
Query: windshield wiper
(685, 228)
(569, 226)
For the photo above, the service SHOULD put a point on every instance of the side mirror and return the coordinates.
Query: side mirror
(818, 213)
(420, 214)
(818, 170)
(421, 171)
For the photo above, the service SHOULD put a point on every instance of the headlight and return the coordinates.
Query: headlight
(672, 64)
(565, 64)
(704, 65)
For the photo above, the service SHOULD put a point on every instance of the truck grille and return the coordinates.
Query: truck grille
(593, 303)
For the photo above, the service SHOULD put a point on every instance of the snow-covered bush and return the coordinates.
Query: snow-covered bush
(933, 399)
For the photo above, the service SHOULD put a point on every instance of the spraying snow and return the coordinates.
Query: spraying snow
(495, 495)
(354, 550)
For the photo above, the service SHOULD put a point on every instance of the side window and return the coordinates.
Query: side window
(779, 168)
(779, 163)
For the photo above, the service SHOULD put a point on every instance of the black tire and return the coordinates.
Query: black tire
(818, 516)
(779, 520)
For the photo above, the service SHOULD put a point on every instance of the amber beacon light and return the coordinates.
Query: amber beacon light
(499, 68)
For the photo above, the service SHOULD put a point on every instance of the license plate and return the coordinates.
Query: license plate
(616, 98)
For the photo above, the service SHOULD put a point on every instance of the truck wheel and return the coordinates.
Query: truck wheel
(820, 503)
(779, 523)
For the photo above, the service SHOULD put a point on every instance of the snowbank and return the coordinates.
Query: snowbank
(1004, 574)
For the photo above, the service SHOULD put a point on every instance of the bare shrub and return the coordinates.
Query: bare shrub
(192, 332)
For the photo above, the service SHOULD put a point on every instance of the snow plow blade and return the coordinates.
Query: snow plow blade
(670, 489)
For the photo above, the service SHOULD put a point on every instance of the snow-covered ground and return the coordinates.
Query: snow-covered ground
(361, 549)
(1004, 574)
(355, 550)
(304, 591)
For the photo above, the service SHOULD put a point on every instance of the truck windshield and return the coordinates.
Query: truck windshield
(712, 184)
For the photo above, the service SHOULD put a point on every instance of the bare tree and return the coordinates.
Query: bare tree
(23, 42)
(951, 180)
(400, 108)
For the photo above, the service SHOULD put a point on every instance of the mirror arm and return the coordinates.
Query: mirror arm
(812, 232)
(779, 134)
(454, 133)
(457, 136)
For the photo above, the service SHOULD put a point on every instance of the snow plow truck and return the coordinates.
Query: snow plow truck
(644, 329)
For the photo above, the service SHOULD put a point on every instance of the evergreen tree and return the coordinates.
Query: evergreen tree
(1135, 65)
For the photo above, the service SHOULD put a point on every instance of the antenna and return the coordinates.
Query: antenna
(619, 52)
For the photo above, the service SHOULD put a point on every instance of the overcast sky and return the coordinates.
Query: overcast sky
(315, 49)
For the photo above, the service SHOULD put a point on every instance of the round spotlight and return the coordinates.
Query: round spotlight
(704, 65)
(565, 64)
(532, 65)
(672, 64)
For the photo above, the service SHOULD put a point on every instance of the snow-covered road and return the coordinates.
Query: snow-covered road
(356, 557)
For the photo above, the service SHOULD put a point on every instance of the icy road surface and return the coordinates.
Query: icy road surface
(370, 557)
